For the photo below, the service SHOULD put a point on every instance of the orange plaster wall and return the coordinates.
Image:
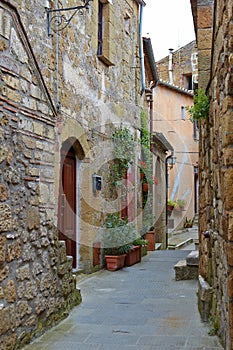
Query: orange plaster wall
(167, 119)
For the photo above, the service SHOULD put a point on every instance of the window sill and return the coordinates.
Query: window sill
(105, 60)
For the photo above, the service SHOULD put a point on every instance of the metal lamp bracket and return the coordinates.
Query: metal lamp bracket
(57, 19)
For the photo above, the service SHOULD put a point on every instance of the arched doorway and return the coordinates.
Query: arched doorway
(68, 218)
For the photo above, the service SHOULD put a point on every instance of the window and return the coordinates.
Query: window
(104, 50)
(188, 81)
(182, 112)
(100, 28)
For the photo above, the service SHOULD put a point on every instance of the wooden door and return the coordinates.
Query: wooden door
(67, 203)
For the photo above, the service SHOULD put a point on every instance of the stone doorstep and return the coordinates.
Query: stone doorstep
(185, 272)
(192, 258)
(158, 246)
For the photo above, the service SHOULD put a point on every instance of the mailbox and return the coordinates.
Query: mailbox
(97, 182)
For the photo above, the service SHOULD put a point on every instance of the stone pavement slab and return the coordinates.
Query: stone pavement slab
(140, 307)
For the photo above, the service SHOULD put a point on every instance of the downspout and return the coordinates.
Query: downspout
(141, 55)
(166, 177)
(57, 64)
(170, 66)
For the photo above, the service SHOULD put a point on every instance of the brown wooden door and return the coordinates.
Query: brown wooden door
(67, 203)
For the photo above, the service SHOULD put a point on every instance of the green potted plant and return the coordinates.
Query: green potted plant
(170, 205)
(135, 253)
(188, 223)
(117, 237)
(143, 243)
(180, 204)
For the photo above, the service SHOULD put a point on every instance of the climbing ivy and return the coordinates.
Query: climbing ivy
(201, 107)
(123, 152)
(146, 163)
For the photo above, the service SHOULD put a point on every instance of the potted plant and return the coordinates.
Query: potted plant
(188, 223)
(150, 237)
(142, 167)
(143, 243)
(170, 205)
(117, 235)
(135, 253)
(145, 185)
(180, 204)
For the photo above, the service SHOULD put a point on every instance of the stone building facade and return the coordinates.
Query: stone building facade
(214, 32)
(180, 67)
(61, 96)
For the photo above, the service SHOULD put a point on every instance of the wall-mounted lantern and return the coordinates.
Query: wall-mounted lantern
(57, 19)
(171, 161)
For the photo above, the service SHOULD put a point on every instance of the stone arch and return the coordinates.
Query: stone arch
(71, 142)
(69, 132)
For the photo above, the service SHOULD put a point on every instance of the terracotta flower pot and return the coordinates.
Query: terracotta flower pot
(115, 262)
(145, 187)
(150, 237)
(170, 207)
(133, 256)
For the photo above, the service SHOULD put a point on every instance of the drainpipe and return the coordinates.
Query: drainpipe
(166, 169)
(149, 98)
(141, 55)
(170, 66)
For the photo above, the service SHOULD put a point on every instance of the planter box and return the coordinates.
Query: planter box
(150, 237)
(115, 262)
(143, 250)
(133, 256)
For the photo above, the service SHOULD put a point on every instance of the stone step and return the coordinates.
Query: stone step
(158, 246)
(192, 258)
(185, 272)
(180, 245)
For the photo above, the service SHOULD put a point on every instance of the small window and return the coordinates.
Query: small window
(188, 81)
(182, 112)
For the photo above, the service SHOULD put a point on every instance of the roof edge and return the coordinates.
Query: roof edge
(175, 87)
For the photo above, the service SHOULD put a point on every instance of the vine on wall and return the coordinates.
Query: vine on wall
(123, 152)
(201, 107)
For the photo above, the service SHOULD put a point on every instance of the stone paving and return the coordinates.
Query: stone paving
(140, 307)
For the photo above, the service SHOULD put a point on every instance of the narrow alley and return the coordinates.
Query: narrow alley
(141, 307)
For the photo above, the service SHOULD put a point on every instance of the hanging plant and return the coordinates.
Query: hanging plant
(201, 107)
(146, 163)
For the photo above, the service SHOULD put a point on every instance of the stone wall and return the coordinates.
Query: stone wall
(55, 89)
(37, 287)
(215, 165)
(184, 64)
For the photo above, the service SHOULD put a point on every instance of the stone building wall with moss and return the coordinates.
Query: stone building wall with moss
(56, 91)
(214, 39)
